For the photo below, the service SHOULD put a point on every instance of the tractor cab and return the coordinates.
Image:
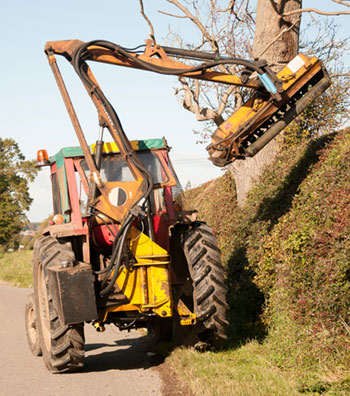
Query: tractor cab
(72, 183)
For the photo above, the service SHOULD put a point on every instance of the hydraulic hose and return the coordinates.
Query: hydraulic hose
(115, 248)
(176, 51)
(117, 265)
(202, 67)
(78, 63)
(119, 241)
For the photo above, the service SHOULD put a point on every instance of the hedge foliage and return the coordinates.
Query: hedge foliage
(287, 251)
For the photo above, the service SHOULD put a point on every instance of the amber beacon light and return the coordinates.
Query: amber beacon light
(42, 158)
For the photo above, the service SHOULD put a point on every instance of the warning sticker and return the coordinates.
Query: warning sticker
(228, 125)
(295, 64)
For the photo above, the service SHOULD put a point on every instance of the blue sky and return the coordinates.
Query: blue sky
(32, 111)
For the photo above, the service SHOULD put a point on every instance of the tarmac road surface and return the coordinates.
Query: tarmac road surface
(116, 363)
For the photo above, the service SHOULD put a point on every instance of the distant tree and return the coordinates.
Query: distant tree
(39, 230)
(15, 174)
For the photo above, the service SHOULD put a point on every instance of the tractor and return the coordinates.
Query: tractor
(120, 249)
(160, 270)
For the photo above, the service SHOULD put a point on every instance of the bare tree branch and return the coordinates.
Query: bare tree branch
(250, 50)
(191, 102)
(224, 99)
(316, 11)
(196, 21)
(341, 3)
(248, 13)
(228, 8)
(148, 21)
(172, 15)
(238, 99)
(193, 93)
(214, 29)
(340, 75)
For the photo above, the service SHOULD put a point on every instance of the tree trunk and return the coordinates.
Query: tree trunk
(269, 25)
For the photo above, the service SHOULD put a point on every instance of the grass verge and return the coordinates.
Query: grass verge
(251, 370)
(241, 372)
(16, 268)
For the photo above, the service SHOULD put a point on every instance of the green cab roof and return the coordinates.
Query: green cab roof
(137, 145)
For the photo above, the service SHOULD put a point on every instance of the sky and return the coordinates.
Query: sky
(32, 111)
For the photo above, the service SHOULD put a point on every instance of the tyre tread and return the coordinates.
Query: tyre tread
(67, 341)
(203, 258)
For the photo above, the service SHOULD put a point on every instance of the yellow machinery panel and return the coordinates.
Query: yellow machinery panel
(146, 285)
(263, 116)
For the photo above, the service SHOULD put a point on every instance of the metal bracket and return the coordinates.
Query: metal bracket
(187, 318)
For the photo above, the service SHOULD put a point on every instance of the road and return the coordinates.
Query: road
(116, 364)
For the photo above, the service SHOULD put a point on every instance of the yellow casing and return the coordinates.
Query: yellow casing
(146, 285)
(258, 109)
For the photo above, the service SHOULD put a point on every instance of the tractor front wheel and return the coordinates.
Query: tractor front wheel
(62, 345)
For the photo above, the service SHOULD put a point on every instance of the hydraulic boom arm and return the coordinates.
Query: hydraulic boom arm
(276, 100)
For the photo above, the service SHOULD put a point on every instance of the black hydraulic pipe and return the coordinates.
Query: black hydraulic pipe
(165, 70)
(170, 71)
(78, 62)
(115, 249)
(194, 54)
(120, 246)
(149, 220)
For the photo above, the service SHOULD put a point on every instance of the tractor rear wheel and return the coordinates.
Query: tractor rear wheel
(32, 326)
(62, 345)
(208, 285)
